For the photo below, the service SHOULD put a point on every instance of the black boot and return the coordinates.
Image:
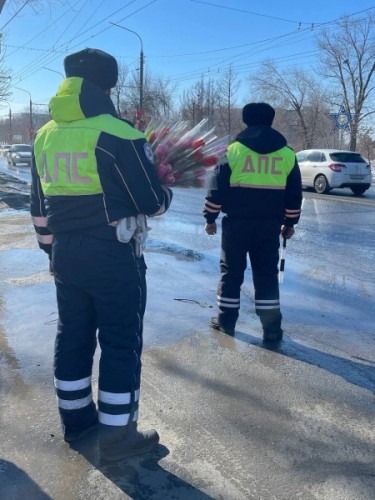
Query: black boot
(74, 431)
(271, 323)
(214, 323)
(272, 335)
(72, 435)
(123, 442)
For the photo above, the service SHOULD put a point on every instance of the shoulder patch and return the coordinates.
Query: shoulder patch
(148, 152)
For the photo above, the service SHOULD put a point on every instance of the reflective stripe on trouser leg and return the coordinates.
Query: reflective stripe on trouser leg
(228, 311)
(74, 398)
(73, 394)
(228, 303)
(266, 305)
(117, 409)
(269, 314)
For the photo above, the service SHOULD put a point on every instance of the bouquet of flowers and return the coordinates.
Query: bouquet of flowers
(184, 156)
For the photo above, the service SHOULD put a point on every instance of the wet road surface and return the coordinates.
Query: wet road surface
(237, 419)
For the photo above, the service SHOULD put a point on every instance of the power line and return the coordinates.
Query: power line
(26, 72)
(247, 54)
(66, 47)
(14, 15)
(66, 44)
(249, 12)
(198, 73)
(42, 32)
(274, 17)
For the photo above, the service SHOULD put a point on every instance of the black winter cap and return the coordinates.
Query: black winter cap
(258, 113)
(93, 64)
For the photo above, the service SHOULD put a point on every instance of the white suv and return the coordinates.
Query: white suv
(325, 169)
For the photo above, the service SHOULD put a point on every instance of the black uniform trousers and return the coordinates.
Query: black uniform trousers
(260, 240)
(101, 294)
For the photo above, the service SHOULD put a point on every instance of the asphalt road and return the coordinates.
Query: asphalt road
(237, 419)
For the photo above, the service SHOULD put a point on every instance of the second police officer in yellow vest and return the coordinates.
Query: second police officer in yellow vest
(259, 191)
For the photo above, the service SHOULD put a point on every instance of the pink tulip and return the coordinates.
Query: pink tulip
(199, 173)
(177, 175)
(186, 144)
(163, 170)
(162, 151)
(169, 179)
(197, 156)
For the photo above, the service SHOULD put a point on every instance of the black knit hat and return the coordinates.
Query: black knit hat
(93, 64)
(258, 113)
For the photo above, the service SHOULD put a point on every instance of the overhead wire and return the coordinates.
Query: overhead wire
(66, 48)
(15, 15)
(298, 32)
(41, 58)
(64, 30)
(257, 46)
(198, 72)
(42, 32)
(65, 44)
(204, 70)
(94, 11)
(274, 17)
(181, 54)
(249, 12)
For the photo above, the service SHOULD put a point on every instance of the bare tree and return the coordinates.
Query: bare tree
(347, 59)
(119, 92)
(200, 101)
(366, 144)
(4, 86)
(40, 116)
(4, 80)
(157, 95)
(293, 89)
(227, 88)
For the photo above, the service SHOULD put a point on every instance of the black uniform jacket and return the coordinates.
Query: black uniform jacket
(124, 167)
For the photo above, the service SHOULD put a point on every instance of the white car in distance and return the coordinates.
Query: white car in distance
(326, 169)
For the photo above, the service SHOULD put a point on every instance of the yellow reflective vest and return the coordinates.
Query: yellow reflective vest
(262, 171)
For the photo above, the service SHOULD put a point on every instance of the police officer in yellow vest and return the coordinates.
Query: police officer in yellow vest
(93, 183)
(259, 191)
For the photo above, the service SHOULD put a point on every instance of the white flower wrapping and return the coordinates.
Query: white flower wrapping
(184, 156)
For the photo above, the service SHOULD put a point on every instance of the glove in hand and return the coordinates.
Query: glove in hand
(287, 232)
(210, 228)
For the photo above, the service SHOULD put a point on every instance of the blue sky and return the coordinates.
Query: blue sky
(182, 39)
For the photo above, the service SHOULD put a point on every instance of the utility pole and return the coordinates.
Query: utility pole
(141, 64)
(141, 81)
(10, 124)
(30, 111)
